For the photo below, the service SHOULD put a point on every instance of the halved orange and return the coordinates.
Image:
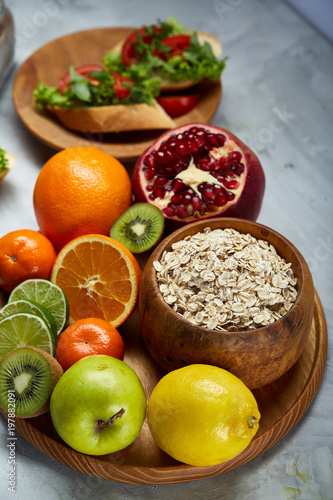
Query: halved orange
(100, 278)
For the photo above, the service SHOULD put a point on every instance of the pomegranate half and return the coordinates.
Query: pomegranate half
(198, 171)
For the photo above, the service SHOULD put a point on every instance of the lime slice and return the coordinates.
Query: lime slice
(26, 306)
(24, 329)
(47, 294)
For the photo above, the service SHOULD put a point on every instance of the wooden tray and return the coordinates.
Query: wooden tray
(281, 404)
(52, 60)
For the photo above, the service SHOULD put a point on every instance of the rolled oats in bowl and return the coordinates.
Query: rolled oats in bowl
(225, 280)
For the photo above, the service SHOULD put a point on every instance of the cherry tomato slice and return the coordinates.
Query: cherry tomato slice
(177, 43)
(81, 70)
(128, 55)
(178, 105)
(121, 90)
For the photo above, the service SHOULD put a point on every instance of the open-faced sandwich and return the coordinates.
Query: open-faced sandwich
(143, 83)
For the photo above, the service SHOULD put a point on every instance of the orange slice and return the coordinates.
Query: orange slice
(100, 278)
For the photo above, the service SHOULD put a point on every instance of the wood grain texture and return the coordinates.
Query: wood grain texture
(281, 405)
(52, 60)
(257, 357)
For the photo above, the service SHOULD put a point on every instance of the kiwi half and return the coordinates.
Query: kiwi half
(27, 378)
(139, 228)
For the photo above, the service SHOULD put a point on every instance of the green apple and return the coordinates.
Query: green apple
(98, 406)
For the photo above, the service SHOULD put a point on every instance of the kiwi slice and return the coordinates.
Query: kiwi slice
(139, 228)
(27, 378)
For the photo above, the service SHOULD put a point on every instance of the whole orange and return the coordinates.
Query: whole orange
(88, 336)
(24, 254)
(80, 190)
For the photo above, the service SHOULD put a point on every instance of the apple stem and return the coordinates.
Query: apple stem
(251, 421)
(101, 422)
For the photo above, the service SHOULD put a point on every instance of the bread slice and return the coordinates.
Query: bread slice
(167, 85)
(116, 118)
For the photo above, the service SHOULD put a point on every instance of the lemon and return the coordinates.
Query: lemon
(202, 415)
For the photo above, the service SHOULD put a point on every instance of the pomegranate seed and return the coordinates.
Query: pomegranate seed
(187, 199)
(208, 194)
(231, 184)
(230, 196)
(212, 140)
(183, 160)
(201, 161)
(171, 145)
(159, 192)
(205, 166)
(160, 181)
(226, 162)
(177, 198)
(149, 188)
(189, 209)
(181, 212)
(200, 141)
(149, 160)
(239, 168)
(152, 196)
(221, 139)
(215, 166)
(193, 146)
(220, 200)
(220, 177)
(169, 211)
(178, 185)
(218, 189)
(161, 157)
(167, 171)
(196, 202)
(181, 149)
(168, 156)
(236, 155)
(150, 174)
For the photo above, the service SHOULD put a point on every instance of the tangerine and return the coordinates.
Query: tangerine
(100, 278)
(24, 254)
(86, 337)
(80, 190)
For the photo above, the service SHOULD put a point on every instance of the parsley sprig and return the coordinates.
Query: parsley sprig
(3, 160)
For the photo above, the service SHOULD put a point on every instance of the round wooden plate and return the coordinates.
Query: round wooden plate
(281, 404)
(52, 60)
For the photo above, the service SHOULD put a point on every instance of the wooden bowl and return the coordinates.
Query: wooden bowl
(258, 357)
